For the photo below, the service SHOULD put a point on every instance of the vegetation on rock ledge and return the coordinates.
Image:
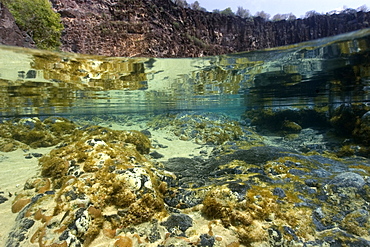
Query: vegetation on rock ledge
(37, 19)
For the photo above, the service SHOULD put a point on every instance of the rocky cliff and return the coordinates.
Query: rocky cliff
(159, 28)
(10, 34)
(162, 29)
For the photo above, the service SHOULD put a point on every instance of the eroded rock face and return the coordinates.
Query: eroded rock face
(162, 29)
(10, 34)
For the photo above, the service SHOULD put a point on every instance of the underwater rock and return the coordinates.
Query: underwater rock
(255, 155)
(361, 131)
(202, 128)
(178, 221)
(351, 120)
(95, 185)
(36, 133)
(290, 127)
(341, 205)
(348, 179)
(28, 156)
(100, 186)
(338, 237)
(19, 234)
(147, 133)
(357, 222)
(183, 198)
(207, 240)
(156, 155)
(3, 199)
(36, 155)
(287, 119)
(343, 119)
(279, 192)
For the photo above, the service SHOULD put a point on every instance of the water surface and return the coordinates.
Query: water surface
(327, 71)
(263, 148)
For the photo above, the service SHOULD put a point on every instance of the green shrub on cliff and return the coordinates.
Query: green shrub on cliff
(37, 18)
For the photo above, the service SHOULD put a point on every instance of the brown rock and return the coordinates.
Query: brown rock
(10, 34)
(160, 28)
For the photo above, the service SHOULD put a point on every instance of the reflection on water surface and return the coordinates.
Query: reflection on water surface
(264, 148)
(325, 71)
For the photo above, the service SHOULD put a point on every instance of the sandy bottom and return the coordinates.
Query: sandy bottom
(174, 147)
(15, 170)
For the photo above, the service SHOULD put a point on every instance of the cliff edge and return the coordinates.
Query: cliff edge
(10, 34)
(160, 28)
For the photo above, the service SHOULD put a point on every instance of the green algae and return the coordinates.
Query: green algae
(201, 129)
(97, 184)
(290, 127)
(36, 133)
(54, 167)
(287, 121)
(259, 211)
(356, 223)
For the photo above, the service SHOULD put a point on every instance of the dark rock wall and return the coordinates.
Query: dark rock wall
(160, 28)
(9, 31)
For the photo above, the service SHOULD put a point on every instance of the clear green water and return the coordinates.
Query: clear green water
(328, 71)
(290, 168)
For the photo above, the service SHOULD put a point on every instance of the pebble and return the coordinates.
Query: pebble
(36, 155)
(180, 221)
(279, 192)
(3, 199)
(156, 155)
(28, 156)
(207, 240)
(147, 133)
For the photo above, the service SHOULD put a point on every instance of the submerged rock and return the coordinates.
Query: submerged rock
(3, 199)
(178, 221)
(99, 185)
(91, 186)
(347, 179)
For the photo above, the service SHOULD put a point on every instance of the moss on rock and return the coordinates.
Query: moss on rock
(258, 212)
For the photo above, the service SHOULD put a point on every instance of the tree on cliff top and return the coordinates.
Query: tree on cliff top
(37, 18)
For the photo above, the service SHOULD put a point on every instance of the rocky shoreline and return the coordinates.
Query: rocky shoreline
(161, 28)
(105, 186)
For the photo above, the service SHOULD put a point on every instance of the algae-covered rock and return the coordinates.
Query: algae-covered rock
(287, 120)
(260, 210)
(36, 133)
(202, 128)
(361, 131)
(290, 127)
(96, 186)
(9, 144)
(344, 118)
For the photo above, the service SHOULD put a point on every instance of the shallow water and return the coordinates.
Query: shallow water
(328, 71)
(263, 148)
